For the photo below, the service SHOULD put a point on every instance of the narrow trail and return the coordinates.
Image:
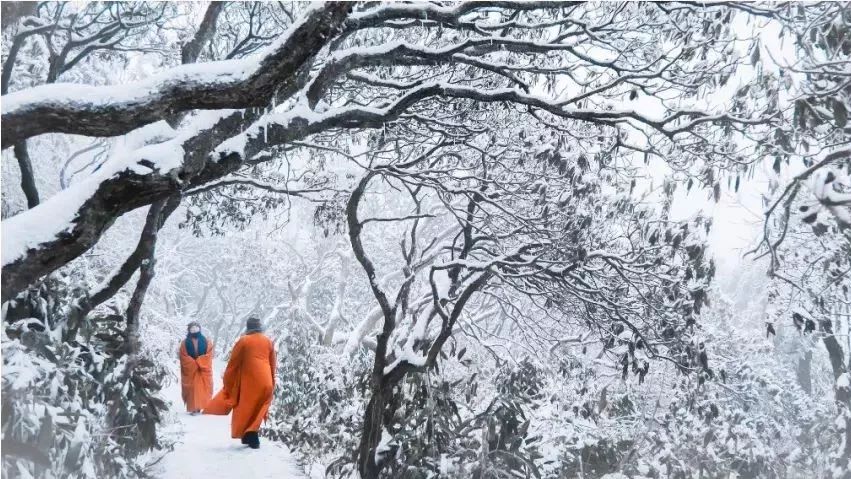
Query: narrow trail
(205, 450)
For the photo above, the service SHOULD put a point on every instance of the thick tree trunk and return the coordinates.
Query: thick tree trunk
(382, 387)
(842, 397)
(190, 52)
(157, 215)
(373, 425)
(134, 309)
(27, 176)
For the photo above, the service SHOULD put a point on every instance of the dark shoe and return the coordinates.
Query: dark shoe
(252, 439)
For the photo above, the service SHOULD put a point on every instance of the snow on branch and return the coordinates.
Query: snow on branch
(115, 110)
(449, 15)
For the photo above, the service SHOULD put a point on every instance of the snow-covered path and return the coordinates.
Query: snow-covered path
(204, 449)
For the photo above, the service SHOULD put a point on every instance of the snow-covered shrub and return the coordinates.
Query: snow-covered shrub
(317, 409)
(459, 424)
(754, 424)
(749, 416)
(71, 406)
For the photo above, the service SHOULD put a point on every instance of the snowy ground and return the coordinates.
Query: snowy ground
(205, 450)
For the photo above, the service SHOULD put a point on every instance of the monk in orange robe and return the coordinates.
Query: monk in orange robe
(196, 369)
(248, 385)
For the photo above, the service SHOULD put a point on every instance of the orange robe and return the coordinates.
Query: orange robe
(248, 384)
(196, 377)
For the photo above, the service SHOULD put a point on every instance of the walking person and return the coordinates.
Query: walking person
(196, 369)
(249, 382)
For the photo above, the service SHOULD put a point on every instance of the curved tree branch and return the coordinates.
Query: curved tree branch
(115, 110)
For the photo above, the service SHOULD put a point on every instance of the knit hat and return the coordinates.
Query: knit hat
(253, 325)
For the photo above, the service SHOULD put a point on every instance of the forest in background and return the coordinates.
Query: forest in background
(490, 239)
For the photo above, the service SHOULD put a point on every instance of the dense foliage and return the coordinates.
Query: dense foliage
(75, 408)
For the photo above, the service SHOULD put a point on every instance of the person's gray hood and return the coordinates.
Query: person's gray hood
(253, 325)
